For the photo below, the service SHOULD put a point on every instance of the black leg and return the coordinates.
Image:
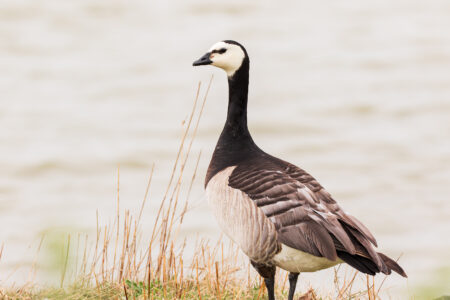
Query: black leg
(270, 285)
(268, 273)
(292, 285)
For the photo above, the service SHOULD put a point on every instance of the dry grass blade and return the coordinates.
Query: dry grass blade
(346, 287)
(176, 163)
(65, 262)
(125, 291)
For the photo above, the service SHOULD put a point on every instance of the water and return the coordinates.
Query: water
(356, 94)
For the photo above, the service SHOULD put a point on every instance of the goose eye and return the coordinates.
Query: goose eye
(222, 51)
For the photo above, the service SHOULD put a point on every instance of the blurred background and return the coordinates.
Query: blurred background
(358, 94)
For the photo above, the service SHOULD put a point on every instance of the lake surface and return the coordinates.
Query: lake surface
(358, 95)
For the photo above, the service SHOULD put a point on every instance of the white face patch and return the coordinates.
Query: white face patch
(230, 60)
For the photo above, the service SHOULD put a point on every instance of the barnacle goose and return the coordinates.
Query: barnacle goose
(277, 213)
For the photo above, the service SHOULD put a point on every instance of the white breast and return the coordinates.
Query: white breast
(297, 261)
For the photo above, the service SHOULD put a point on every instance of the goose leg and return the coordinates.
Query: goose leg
(270, 284)
(268, 273)
(292, 284)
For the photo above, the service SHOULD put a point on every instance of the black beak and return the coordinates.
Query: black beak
(204, 60)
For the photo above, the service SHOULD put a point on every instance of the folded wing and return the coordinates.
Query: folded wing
(306, 217)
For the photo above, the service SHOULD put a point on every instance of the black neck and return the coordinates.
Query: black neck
(235, 137)
(236, 124)
(235, 143)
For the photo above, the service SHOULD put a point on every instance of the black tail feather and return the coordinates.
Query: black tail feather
(394, 266)
(360, 263)
(367, 266)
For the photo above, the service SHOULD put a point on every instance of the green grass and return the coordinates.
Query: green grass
(132, 290)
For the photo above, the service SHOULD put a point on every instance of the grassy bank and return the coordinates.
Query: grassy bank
(190, 288)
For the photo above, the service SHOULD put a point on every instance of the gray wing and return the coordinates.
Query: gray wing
(305, 215)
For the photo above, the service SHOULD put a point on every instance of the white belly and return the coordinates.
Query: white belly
(297, 261)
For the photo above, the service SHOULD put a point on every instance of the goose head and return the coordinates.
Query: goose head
(227, 55)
